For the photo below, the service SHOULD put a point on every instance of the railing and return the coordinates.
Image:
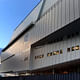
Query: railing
(70, 76)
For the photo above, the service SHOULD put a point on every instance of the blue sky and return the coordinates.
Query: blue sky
(12, 12)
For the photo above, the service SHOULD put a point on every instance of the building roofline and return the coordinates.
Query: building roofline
(18, 37)
(27, 15)
(24, 31)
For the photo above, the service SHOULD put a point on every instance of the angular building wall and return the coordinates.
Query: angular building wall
(16, 58)
(54, 38)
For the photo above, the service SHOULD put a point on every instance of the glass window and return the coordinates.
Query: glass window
(49, 54)
(68, 49)
(55, 52)
(35, 57)
(61, 51)
(42, 55)
(77, 47)
(39, 56)
(73, 48)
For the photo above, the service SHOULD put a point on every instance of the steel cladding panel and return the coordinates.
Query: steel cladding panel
(67, 11)
(44, 25)
(77, 42)
(76, 7)
(71, 10)
(37, 32)
(49, 22)
(73, 44)
(59, 14)
(63, 13)
(79, 7)
(49, 59)
(56, 16)
(4, 55)
(48, 4)
(61, 55)
(53, 19)
(42, 30)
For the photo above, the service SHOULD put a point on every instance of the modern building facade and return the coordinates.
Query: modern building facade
(47, 41)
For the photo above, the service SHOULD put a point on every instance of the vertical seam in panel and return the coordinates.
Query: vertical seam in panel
(51, 20)
(65, 11)
(61, 13)
(79, 7)
(54, 16)
(57, 14)
(69, 11)
(74, 9)
(48, 21)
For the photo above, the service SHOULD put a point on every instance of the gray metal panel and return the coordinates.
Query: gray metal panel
(48, 4)
(79, 7)
(36, 32)
(77, 42)
(5, 55)
(47, 31)
(70, 53)
(44, 25)
(76, 7)
(54, 58)
(47, 24)
(63, 13)
(57, 56)
(73, 52)
(50, 24)
(56, 16)
(61, 55)
(64, 55)
(53, 19)
(67, 11)
(59, 14)
(71, 10)
(40, 32)
(49, 59)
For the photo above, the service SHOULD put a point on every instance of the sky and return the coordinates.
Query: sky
(12, 12)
